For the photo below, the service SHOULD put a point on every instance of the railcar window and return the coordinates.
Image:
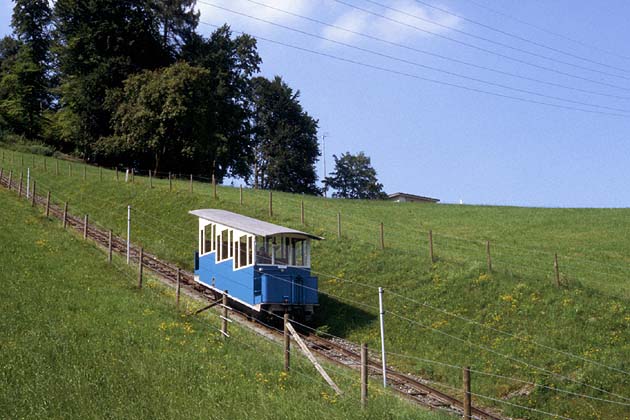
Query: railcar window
(242, 252)
(207, 238)
(250, 250)
(225, 245)
(263, 250)
(299, 252)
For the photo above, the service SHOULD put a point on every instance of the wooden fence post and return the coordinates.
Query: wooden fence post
(431, 256)
(339, 226)
(45, 168)
(84, 172)
(22, 161)
(1, 171)
(270, 203)
(85, 226)
(191, 183)
(302, 212)
(116, 173)
(33, 195)
(141, 257)
(364, 374)
(287, 343)
(69, 169)
(214, 187)
(48, 204)
(240, 194)
(382, 236)
(20, 186)
(100, 174)
(109, 247)
(133, 174)
(170, 182)
(56, 167)
(467, 400)
(179, 286)
(556, 269)
(489, 257)
(224, 318)
(65, 214)
(150, 179)
(10, 178)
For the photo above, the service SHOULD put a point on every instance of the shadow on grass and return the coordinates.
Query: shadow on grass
(339, 318)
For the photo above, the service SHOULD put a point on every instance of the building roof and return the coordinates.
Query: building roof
(412, 196)
(247, 224)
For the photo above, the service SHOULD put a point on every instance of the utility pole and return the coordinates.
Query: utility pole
(324, 159)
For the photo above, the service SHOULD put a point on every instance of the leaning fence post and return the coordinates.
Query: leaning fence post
(85, 226)
(224, 318)
(140, 258)
(364, 374)
(556, 268)
(47, 203)
(179, 286)
(270, 203)
(65, 214)
(109, 247)
(431, 256)
(33, 195)
(488, 256)
(287, 343)
(467, 400)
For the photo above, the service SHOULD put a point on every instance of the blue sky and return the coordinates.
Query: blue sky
(451, 143)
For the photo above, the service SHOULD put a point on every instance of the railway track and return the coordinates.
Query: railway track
(338, 351)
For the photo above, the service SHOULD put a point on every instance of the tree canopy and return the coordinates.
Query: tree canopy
(354, 177)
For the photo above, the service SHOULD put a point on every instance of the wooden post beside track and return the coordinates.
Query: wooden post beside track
(364, 374)
(109, 247)
(467, 400)
(179, 286)
(382, 236)
(431, 256)
(339, 225)
(33, 195)
(65, 214)
(140, 258)
(556, 269)
(10, 178)
(287, 343)
(20, 186)
(488, 257)
(240, 194)
(214, 187)
(85, 226)
(48, 204)
(224, 318)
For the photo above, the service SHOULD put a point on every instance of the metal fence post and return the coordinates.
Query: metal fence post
(128, 231)
(382, 323)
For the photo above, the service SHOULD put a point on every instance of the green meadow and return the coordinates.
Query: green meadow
(513, 325)
(80, 341)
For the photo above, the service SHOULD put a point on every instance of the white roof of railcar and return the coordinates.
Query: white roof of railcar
(247, 224)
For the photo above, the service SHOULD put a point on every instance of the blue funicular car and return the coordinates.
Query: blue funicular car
(264, 266)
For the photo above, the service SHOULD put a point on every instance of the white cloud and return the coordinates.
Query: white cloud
(410, 13)
(217, 16)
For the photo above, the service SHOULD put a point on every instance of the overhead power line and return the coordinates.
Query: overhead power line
(478, 48)
(547, 31)
(499, 43)
(417, 77)
(440, 56)
(416, 64)
(520, 38)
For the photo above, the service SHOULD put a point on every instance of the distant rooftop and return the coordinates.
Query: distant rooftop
(247, 224)
(405, 197)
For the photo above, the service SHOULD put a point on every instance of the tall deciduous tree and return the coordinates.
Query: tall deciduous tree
(285, 139)
(24, 88)
(99, 43)
(354, 177)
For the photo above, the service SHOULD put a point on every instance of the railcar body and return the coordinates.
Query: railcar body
(264, 266)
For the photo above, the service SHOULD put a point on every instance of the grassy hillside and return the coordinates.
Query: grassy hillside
(575, 338)
(78, 340)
